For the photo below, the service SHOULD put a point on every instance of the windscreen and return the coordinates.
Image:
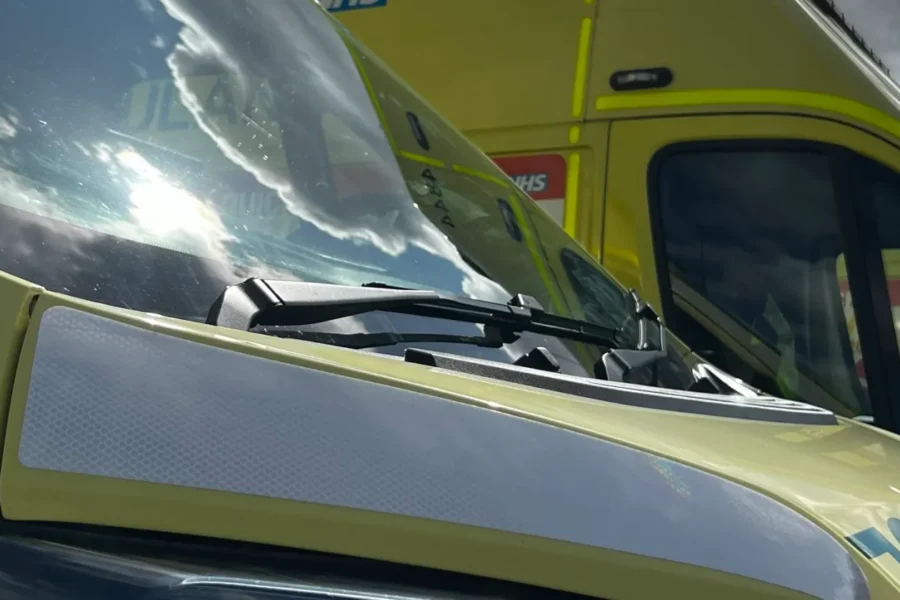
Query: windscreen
(153, 152)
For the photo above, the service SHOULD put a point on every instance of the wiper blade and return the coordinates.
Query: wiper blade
(258, 302)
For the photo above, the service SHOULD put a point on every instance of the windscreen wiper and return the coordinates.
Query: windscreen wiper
(281, 308)
(267, 303)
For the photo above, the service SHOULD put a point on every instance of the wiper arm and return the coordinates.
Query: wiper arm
(257, 302)
(361, 341)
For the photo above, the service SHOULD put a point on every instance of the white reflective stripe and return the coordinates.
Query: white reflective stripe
(115, 400)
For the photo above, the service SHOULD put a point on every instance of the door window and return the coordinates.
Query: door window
(755, 235)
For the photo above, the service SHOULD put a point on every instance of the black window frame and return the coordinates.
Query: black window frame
(865, 268)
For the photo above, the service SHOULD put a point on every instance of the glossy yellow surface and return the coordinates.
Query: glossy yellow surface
(770, 57)
(16, 299)
(424, 40)
(537, 52)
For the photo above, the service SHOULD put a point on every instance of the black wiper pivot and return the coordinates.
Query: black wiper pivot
(617, 364)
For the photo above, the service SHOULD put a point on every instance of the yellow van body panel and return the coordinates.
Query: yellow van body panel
(832, 474)
(511, 73)
(509, 64)
(732, 46)
(504, 56)
(520, 77)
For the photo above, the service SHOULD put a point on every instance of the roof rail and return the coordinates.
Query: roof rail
(828, 8)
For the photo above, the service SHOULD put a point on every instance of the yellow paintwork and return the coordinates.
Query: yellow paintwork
(519, 69)
(16, 298)
(797, 465)
(771, 56)
(536, 51)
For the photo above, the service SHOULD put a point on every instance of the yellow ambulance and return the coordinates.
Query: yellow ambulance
(272, 329)
(735, 161)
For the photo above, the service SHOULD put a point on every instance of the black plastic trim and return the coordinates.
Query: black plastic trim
(62, 561)
(866, 274)
(762, 408)
(641, 79)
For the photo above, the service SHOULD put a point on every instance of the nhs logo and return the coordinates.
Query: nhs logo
(339, 5)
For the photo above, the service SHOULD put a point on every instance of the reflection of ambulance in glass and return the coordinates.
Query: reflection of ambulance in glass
(164, 112)
(157, 113)
(541, 176)
(213, 120)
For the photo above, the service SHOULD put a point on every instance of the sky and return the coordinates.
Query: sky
(879, 23)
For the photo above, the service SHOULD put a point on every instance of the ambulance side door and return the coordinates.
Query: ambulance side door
(768, 242)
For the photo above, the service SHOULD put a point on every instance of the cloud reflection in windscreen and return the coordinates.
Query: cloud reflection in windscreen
(313, 58)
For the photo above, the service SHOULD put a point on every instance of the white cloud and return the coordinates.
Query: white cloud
(145, 6)
(6, 129)
(390, 222)
(878, 21)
